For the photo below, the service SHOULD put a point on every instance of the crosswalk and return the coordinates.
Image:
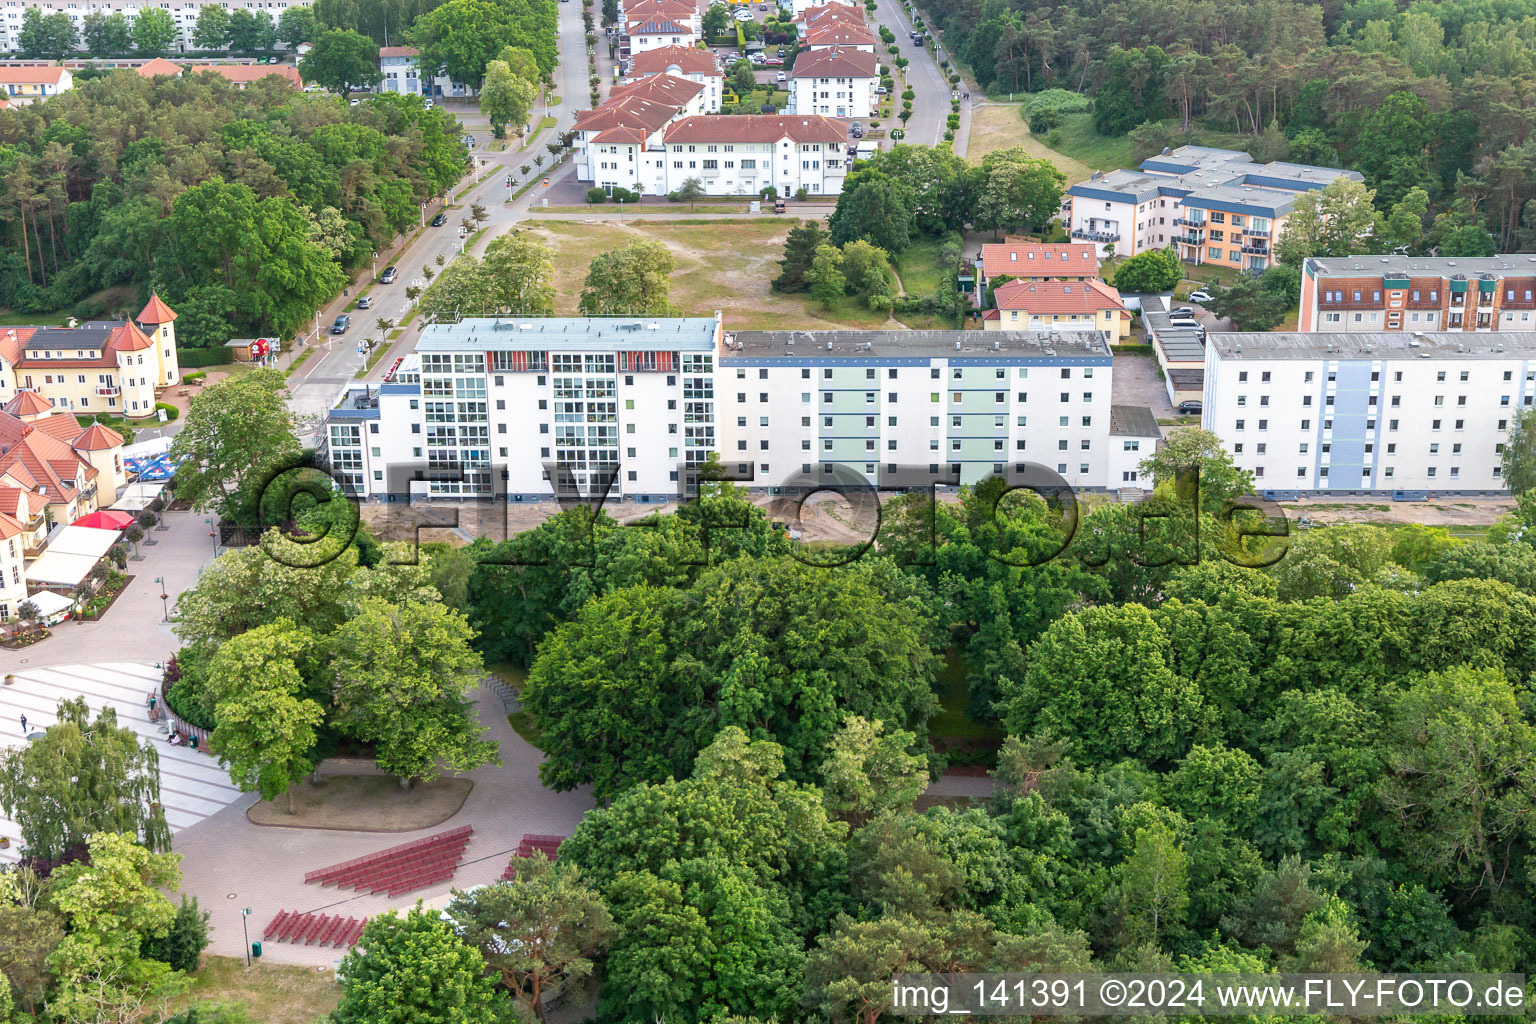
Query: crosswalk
(193, 784)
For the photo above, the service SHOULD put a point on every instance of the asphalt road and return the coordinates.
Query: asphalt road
(930, 105)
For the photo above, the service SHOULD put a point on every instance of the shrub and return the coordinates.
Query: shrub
(1043, 119)
(908, 95)
(205, 356)
(186, 693)
(182, 946)
(802, 193)
(596, 195)
(952, 121)
(171, 412)
(88, 308)
(1063, 101)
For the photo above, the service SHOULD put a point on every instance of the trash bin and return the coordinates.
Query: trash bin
(256, 950)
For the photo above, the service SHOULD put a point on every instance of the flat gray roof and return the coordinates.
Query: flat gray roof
(1373, 345)
(1276, 200)
(908, 344)
(1421, 266)
(1187, 380)
(1134, 420)
(602, 334)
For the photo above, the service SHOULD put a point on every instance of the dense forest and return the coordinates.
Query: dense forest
(243, 208)
(1437, 94)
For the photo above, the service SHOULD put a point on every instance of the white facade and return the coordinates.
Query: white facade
(834, 83)
(183, 12)
(653, 35)
(494, 402)
(13, 584)
(1394, 414)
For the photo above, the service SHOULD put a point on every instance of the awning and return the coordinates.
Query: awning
(50, 605)
(70, 556)
(137, 496)
(106, 520)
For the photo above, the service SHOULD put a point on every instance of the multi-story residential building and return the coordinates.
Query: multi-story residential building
(650, 137)
(834, 81)
(1214, 205)
(105, 366)
(22, 84)
(69, 469)
(1382, 413)
(1134, 435)
(401, 73)
(1413, 293)
(1037, 261)
(653, 24)
(1059, 305)
(484, 407)
(183, 12)
(688, 62)
(842, 33)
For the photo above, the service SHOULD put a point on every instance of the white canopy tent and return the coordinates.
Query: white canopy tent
(136, 497)
(50, 606)
(70, 556)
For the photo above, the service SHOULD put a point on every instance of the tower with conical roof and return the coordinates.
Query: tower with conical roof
(157, 321)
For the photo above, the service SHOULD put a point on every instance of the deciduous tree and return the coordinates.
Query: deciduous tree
(415, 970)
(343, 61)
(154, 31)
(505, 98)
(237, 435)
(634, 281)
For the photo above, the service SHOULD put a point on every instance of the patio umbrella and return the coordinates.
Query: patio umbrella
(106, 519)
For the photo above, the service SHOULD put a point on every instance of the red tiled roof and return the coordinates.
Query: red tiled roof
(36, 458)
(659, 88)
(242, 74)
(838, 34)
(97, 438)
(679, 11)
(1058, 297)
(836, 62)
(399, 51)
(688, 60)
(634, 112)
(155, 311)
(657, 26)
(159, 66)
(845, 12)
(28, 403)
(9, 527)
(30, 74)
(1019, 258)
(21, 504)
(756, 128)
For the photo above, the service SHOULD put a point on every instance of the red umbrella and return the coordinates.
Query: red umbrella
(106, 519)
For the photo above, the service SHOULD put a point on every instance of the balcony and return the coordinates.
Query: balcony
(1096, 236)
(108, 391)
(1198, 225)
(1257, 250)
(1189, 239)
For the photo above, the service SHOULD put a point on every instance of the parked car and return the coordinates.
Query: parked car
(429, 104)
(388, 277)
(1182, 311)
(775, 62)
(743, 15)
(881, 90)
(856, 129)
(778, 206)
(366, 302)
(1201, 297)
(1185, 322)
(342, 323)
(783, 77)
(1192, 407)
(440, 220)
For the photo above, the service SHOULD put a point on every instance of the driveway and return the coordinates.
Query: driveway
(1136, 382)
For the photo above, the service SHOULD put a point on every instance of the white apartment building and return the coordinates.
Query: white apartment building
(653, 24)
(835, 82)
(649, 137)
(485, 406)
(1386, 413)
(687, 62)
(183, 12)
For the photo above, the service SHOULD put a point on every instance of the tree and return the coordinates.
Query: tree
(184, 941)
(1248, 304)
(522, 62)
(848, 974)
(154, 31)
(250, 31)
(45, 35)
(505, 98)
(1519, 456)
(264, 728)
(1156, 270)
(538, 932)
(1017, 192)
(415, 970)
(1403, 229)
(403, 673)
(717, 20)
(105, 33)
(236, 436)
(460, 37)
(743, 79)
(875, 207)
(799, 253)
(343, 61)
(867, 772)
(296, 25)
(1336, 220)
(1154, 887)
(691, 190)
(826, 275)
(80, 778)
(867, 269)
(1191, 448)
(633, 281)
(212, 29)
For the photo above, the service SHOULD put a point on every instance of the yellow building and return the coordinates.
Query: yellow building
(21, 84)
(111, 367)
(45, 451)
(1059, 306)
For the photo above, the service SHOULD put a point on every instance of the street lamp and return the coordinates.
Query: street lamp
(245, 913)
(375, 263)
(165, 599)
(212, 532)
(423, 214)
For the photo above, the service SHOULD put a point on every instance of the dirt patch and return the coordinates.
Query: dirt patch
(997, 126)
(365, 803)
(1470, 512)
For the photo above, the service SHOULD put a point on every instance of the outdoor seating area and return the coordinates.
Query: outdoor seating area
(314, 929)
(400, 869)
(531, 841)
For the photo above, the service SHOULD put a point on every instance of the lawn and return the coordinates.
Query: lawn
(997, 126)
(1079, 142)
(919, 267)
(270, 993)
(721, 265)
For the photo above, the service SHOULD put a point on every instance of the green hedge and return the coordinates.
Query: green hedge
(171, 412)
(195, 357)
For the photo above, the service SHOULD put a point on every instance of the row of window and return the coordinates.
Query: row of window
(1392, 424)
(1389, 472)
(893, 397)
(957, 373)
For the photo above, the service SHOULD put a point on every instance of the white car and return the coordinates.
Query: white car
(1200, 297)
(743, 15)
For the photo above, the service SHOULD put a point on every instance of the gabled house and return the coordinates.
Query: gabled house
(22, 84)
(1059, 306)
(159, 66)
(688, 62)
(45, 452)
(1038, 261)
(835, 81)
(242, 75)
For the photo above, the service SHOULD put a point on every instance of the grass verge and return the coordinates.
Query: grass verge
(270, 993)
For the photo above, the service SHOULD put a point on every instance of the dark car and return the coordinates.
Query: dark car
(388, 277)
(1191, 407)
(342, 323)
(440, 220)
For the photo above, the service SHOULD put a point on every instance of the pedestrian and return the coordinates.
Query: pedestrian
(23, 725)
